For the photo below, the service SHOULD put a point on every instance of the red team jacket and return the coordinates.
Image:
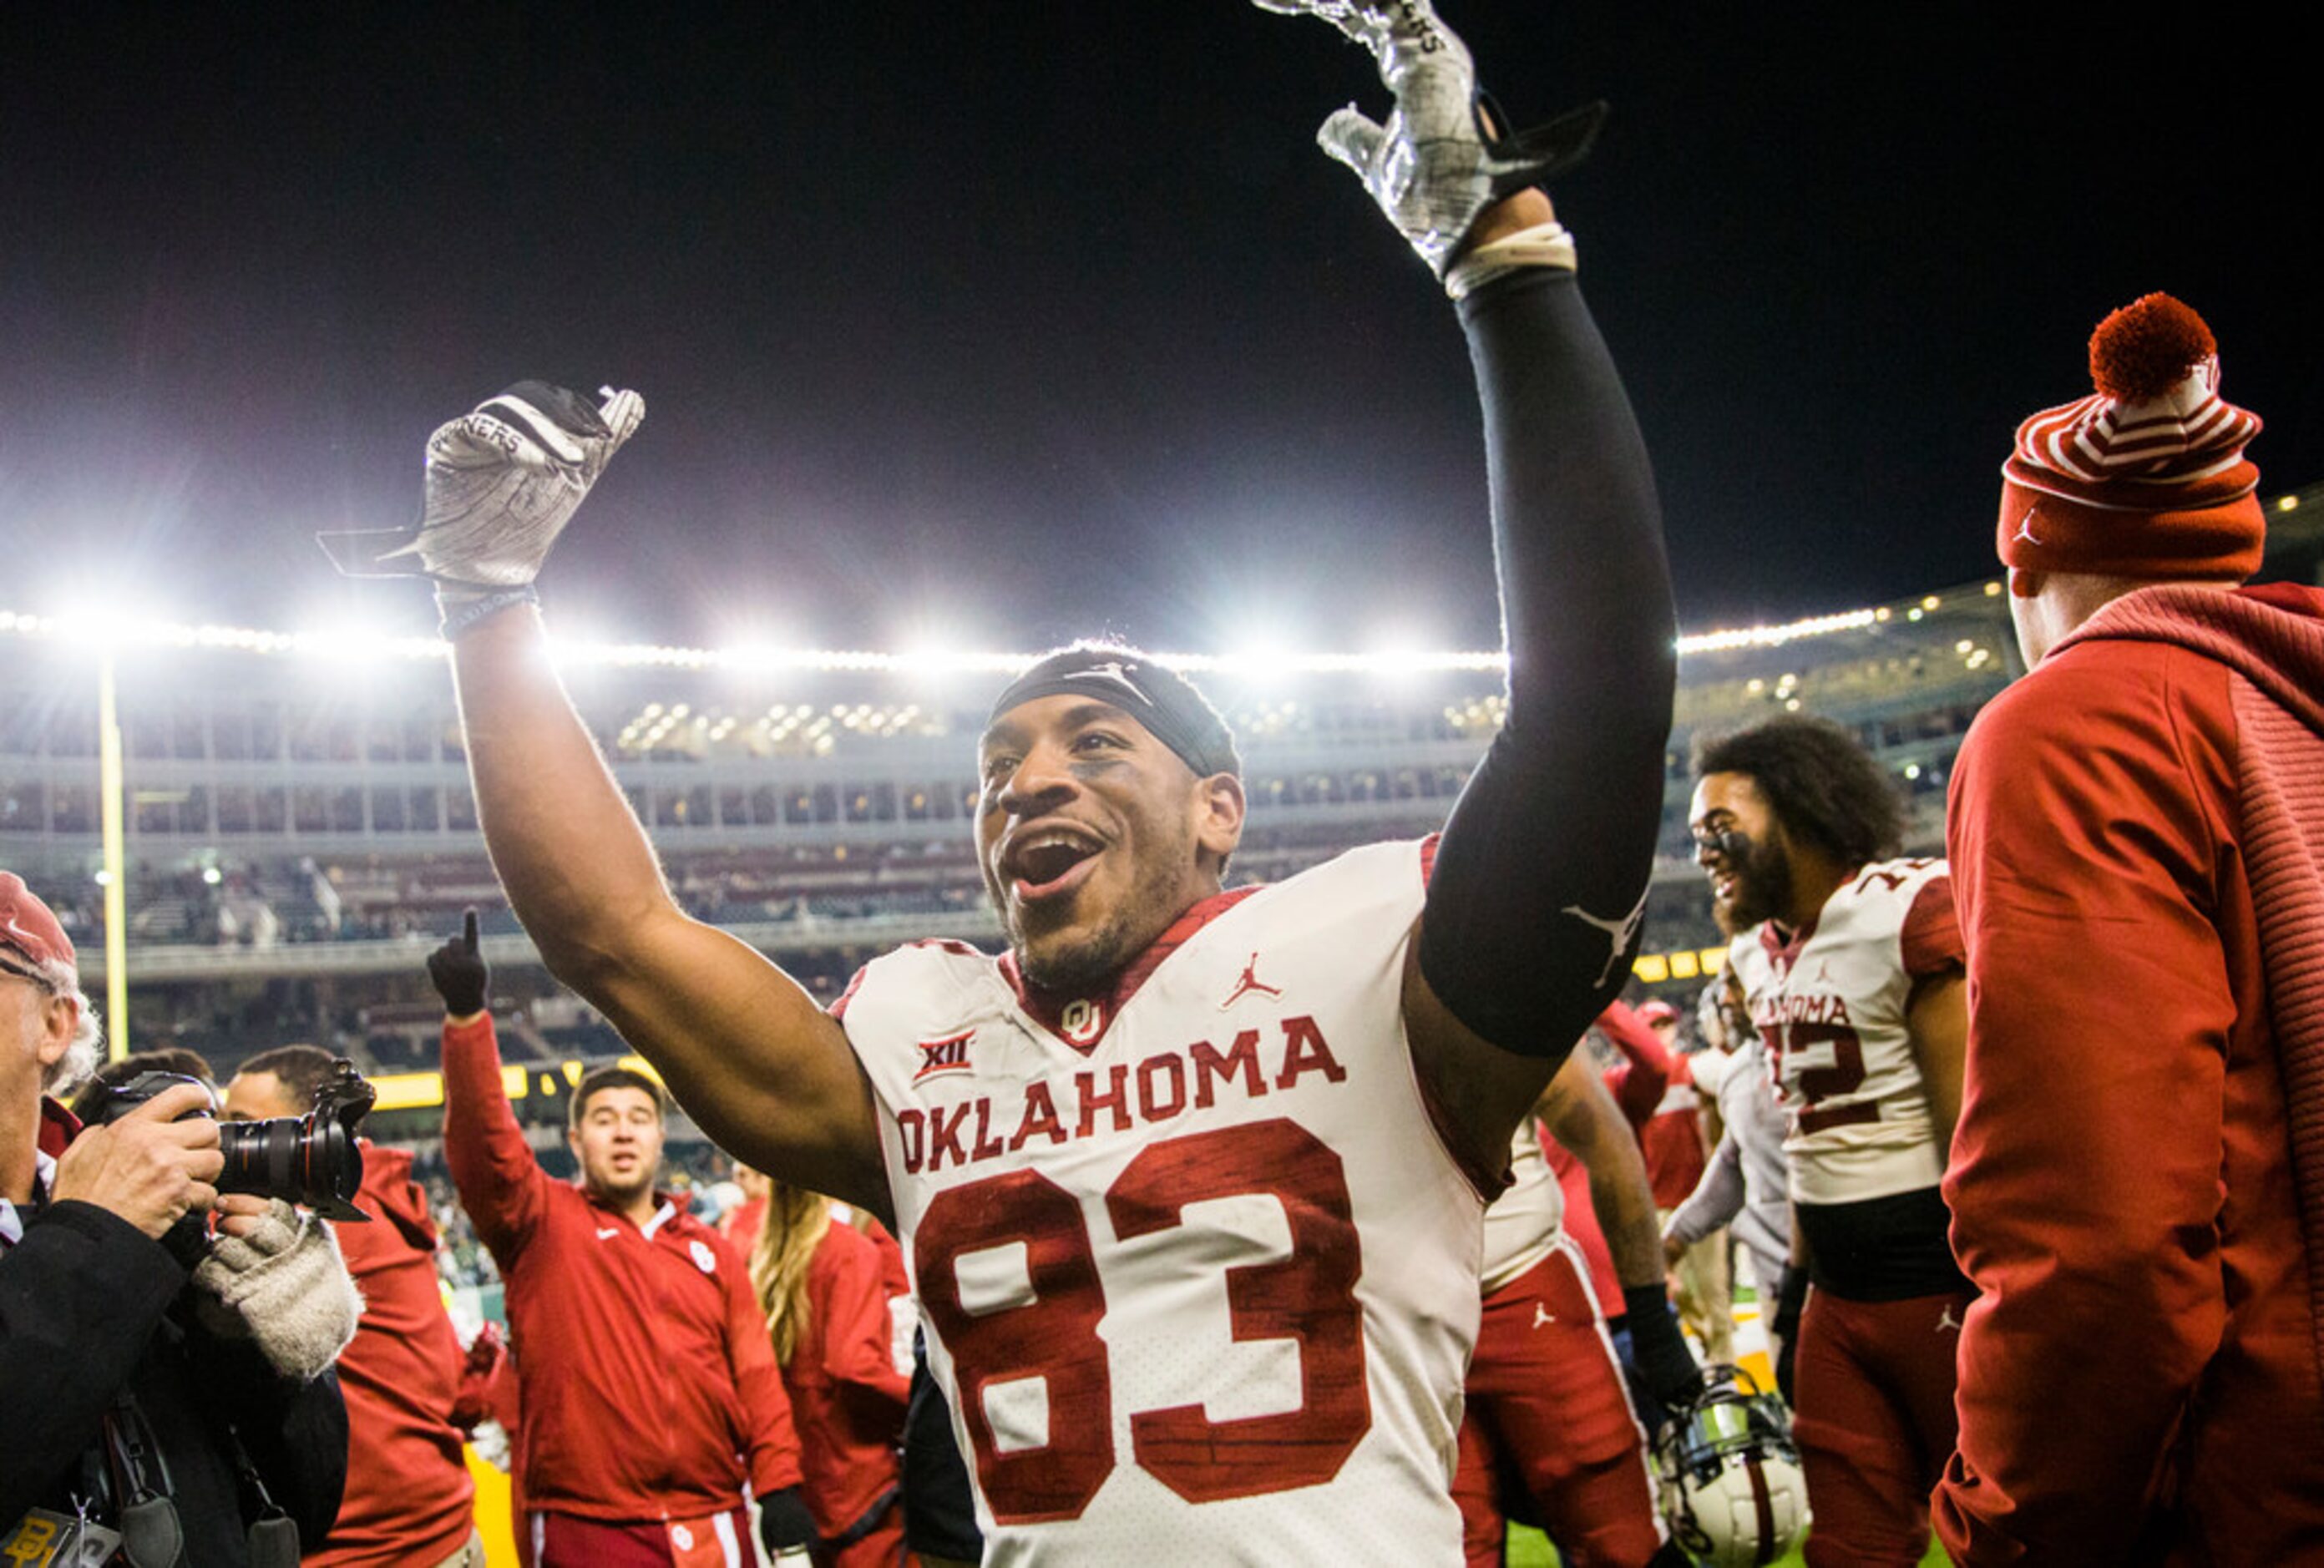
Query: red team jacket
(649, 1386)
(846, 1394)
(2140, 1380)
(410, 1498)
(1655, 1087)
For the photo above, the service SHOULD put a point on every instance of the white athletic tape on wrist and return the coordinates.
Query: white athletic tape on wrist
(1544, 244)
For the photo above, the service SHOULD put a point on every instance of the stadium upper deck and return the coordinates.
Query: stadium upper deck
(812, 806)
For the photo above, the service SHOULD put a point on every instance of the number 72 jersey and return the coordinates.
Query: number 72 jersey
(1831, 1003)
(1199, 1273)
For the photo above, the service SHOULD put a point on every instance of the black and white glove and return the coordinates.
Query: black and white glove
(502, 483)
(1439, 161)
(460, 974)
(1664, 1364)
(784, 1523)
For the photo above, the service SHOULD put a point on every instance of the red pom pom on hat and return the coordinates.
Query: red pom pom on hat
(2146, 477)
(2147, 347)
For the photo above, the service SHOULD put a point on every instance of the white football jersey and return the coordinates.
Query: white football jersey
(1524, 1222)
(1197, 1268)
(1831, 1005)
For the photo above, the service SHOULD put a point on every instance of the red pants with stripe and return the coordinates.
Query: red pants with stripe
(566, 1541)
(1875, 1422)
(1547, 1403)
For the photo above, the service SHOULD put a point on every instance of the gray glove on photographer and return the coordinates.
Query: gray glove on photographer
(284, 1286)
(1437, 163)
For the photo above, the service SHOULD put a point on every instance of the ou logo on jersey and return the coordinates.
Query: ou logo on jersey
(1082, 1021)
(704, 1258)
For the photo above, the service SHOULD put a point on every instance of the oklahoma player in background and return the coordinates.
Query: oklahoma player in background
(1851, 965)
(1548, 1405)
(1198, 1259)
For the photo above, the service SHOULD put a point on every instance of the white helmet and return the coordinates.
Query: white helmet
(1730, 1474)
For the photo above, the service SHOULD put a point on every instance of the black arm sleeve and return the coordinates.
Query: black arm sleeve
(80, 1296)
(1535, 905)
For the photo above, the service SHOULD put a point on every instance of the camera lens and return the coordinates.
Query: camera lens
(308, 1159)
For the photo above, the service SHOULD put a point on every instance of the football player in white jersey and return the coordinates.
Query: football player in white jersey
(1549, 1413)
(1851, 964)
(1190, 1181)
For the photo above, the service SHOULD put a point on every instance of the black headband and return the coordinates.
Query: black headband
(1164, 701)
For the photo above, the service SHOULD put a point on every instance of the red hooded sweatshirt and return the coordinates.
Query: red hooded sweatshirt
(2140, 1380)
(410, 1498)
(648, 1384)
(845, 1392)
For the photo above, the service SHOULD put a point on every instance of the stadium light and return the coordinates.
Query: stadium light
(103, 629)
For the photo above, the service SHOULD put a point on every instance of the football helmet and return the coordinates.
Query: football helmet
(1731, 1487)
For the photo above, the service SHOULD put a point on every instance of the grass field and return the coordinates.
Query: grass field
(1531, 1549)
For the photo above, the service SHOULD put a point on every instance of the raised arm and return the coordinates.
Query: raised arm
(747, 1052)
(501, 1184)
(1540, 883)
(763, 1069)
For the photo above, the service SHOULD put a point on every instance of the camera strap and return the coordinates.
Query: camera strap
(152, 1535)
(274, 1534)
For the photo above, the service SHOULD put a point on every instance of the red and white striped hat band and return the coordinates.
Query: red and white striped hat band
(2146, 477)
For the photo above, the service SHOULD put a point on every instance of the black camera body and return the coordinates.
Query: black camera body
(312, 1160)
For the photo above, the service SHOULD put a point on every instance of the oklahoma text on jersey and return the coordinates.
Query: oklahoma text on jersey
(1193, 1241)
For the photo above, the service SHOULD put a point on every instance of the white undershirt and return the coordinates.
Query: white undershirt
(12, 1224)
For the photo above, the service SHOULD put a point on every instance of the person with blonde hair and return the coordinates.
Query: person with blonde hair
(823, 1285)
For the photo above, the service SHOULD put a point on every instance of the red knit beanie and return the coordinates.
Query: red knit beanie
(2146, 477)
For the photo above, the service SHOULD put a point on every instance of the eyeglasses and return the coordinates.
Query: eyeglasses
(32, 975)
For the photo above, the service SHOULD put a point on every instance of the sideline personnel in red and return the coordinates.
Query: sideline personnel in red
(409, 1499)
(649, 1393)
(2136, 831)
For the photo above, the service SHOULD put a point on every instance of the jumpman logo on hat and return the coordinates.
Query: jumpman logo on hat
(2026, 526)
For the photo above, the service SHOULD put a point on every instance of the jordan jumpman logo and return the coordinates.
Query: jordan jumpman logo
(1248, 983)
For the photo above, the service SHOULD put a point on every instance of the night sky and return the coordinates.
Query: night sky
(996, 324)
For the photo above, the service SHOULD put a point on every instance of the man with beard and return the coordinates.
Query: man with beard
(1191, 1179)
(649, 1392)
(1852, 966)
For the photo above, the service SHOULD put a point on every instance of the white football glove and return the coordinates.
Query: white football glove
(504, 480)
(502, 483)
(1436, 165)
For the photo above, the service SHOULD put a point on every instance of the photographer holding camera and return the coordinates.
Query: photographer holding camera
(169, 1399)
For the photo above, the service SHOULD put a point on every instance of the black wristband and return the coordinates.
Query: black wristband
(1645, 1301)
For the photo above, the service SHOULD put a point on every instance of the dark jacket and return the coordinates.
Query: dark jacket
(91, 1306)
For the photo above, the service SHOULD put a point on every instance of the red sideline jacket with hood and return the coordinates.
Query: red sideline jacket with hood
(649, 1386)
(410, 1498)
(846, 1390)
(2139, 1381)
